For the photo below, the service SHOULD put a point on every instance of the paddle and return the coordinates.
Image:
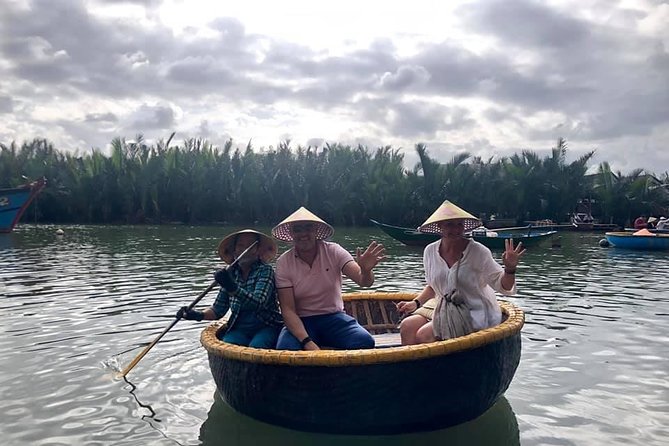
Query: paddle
(177, 319)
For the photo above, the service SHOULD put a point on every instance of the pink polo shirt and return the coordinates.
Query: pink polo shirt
(317, 288)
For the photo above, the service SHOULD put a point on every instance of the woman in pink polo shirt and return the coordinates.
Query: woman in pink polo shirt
(308, 281)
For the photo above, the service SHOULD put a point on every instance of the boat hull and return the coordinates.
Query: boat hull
(412, 237)
(408, 236)
(529, 240)
(14, 202)
(657, 242)
(379, 391)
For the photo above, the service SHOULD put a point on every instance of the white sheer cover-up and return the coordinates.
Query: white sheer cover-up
(478, 279)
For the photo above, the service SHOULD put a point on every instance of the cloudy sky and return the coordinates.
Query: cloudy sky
(488, 77)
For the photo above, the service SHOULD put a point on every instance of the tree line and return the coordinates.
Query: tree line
(197, 183)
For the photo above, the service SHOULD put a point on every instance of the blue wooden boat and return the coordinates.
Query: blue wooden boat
(654, 231)
(413, 237)
(14, 202)
(654, 242)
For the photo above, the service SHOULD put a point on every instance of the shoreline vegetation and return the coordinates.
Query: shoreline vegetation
(198, 183)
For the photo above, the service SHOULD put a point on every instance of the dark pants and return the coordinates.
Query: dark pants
(248, 330)
(336, 330)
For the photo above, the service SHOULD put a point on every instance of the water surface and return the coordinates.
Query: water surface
(594, 367)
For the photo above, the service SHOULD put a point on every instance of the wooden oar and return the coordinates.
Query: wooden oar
(177, 319)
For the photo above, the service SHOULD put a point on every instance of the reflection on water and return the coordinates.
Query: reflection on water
(498, 426)
(594, 367)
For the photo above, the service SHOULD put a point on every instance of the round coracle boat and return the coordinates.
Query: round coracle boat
(388, 389)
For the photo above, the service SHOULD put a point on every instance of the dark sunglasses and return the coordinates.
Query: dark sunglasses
(303, 228)
(452, 224)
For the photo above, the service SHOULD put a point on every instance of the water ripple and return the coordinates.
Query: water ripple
(78, 308)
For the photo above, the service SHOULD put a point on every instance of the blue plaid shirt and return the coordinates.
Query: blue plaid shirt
(256, 294)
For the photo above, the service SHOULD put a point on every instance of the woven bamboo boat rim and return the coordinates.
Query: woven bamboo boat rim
(338, 358)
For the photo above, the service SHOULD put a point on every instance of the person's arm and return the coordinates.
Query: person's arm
(219, 308)
(407, 307)
(209, 314)
(291, 319)
(360, 270)
(216, 311)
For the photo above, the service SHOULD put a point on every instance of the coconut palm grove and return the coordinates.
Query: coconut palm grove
(198, 183)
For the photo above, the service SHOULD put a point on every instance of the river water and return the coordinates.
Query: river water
(594, 367)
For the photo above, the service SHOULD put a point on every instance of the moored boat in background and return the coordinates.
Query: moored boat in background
(529, 238)
(628, 240)
(374, 391)
(14, 202)
(582, 221)
(408, 236)
(498, 223)
(653, 231)
(491, 239)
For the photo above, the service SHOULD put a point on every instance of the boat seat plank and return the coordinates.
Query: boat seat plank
(385, 340)
(384, 315)
(368, 313)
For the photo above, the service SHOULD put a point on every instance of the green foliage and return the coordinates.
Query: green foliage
(196, 182)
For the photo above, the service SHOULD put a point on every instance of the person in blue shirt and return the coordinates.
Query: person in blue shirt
(247, 290)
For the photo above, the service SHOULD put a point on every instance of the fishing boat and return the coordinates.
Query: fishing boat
(651, 241)
(493, 240)
(385, 390)
(14, 202)
(408, 236)
(582, 221)
(497, 223)
(529, 238)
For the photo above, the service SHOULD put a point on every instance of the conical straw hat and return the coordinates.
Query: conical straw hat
(282, 230)
(448, 211)
(266, 246)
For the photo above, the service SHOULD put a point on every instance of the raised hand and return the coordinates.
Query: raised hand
(511, 255)
(367, 260)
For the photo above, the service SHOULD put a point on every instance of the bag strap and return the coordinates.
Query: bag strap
(457, 270)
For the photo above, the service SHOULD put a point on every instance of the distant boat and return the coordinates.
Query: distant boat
(546, 223)
(413, 237)
(14, 202)
(408, 236)
(627, 240)
(654, 231)
(582, 221)
(497, 223)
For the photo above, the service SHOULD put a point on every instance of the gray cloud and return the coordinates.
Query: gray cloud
(414, 119)
(6, 104)
(404, 77)
(149, 117)
(101, 117)
(528, 23)
(603, 81)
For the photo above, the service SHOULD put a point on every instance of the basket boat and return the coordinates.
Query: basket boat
(386, 390)
(656, 241)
